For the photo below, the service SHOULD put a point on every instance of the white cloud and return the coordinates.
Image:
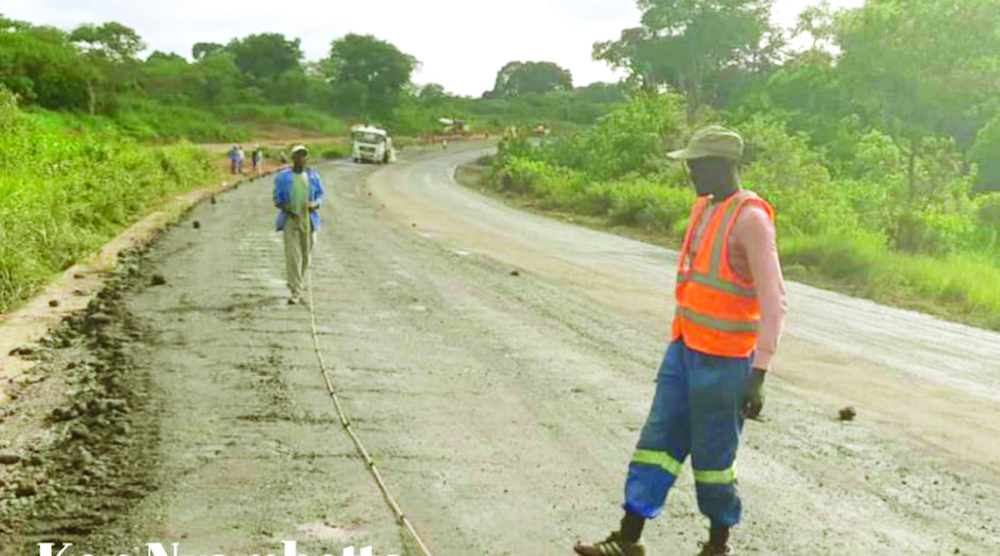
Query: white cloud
(461, 43)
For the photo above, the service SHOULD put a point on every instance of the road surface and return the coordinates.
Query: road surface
(503, 407)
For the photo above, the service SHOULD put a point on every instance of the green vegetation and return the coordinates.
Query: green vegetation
(63, 196)
(92, 78)
(879, 160)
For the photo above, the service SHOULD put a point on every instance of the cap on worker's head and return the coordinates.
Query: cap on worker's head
(713, 140)
(298, 148)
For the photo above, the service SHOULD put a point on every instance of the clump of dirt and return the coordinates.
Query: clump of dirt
(847, 414)
(94, 456)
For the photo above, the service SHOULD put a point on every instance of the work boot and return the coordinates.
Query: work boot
(709, 549)
(614, 545)
(718, 543)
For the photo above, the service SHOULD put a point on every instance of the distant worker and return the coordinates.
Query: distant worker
(284, 158)
(241, 158)
(234, 159)
(730, 311)
(257, 158)
(298, 194)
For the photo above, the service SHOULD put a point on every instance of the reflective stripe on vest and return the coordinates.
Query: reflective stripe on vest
(719, 324)
(710, 281)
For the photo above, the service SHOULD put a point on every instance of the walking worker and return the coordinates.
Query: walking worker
(234, 157)
(241, 158)
(730, 311)
(298, 191)
(257, 158)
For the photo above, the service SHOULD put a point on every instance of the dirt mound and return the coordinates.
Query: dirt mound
(94, 455)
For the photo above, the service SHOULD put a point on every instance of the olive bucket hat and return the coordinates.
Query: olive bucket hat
(713, 140)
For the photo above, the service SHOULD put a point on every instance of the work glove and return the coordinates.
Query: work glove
(753, 398)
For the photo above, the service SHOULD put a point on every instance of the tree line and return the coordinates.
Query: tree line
(98, 70)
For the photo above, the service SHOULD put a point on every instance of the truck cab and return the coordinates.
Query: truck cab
(371, 144)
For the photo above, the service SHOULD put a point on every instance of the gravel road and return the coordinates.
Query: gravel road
(503, 406)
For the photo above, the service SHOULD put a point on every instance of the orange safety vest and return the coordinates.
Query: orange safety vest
(718, 313)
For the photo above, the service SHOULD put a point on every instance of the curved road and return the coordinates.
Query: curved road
(936, 379)
(503, 408)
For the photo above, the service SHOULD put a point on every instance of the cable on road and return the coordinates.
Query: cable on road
(400, 516)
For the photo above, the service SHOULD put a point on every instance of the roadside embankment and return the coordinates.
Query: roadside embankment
(64, 195)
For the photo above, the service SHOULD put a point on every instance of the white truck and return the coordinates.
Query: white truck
(372, 144)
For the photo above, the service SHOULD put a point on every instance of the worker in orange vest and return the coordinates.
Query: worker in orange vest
(730, 311)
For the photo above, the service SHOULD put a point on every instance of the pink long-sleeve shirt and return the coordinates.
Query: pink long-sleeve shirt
(753, 255)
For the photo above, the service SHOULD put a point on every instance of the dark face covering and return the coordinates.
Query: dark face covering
(298, 161)
(714, 176)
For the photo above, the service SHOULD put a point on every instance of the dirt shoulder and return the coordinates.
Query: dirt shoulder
(76, 433)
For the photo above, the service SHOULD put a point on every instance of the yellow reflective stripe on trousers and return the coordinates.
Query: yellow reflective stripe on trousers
(661, 459)
(723, 477)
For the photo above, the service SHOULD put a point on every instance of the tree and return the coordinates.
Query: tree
(158, 56)
(986, 154)
(266, 56)
(808, 93)
(695, 46)
(202, 50)
(432, 94)
(111, 51)
(517, 78)
(111, 41)
(503, 78)
(368, 74)
(166, 76)
(600, 93)
(215, 80)
(921, 67)
(42, 67)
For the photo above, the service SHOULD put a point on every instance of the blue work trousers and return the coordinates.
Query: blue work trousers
(696, 411)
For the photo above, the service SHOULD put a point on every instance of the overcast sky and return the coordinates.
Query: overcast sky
(460, 43)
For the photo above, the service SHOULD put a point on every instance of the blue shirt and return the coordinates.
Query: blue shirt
(283, 184)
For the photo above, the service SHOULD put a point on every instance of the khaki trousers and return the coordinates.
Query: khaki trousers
(299, 242)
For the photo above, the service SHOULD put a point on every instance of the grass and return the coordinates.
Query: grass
(959, 287)
(63, 195)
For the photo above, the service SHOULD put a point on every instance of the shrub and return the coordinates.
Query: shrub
(853, 257)
(649, 203)
(632, 139)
